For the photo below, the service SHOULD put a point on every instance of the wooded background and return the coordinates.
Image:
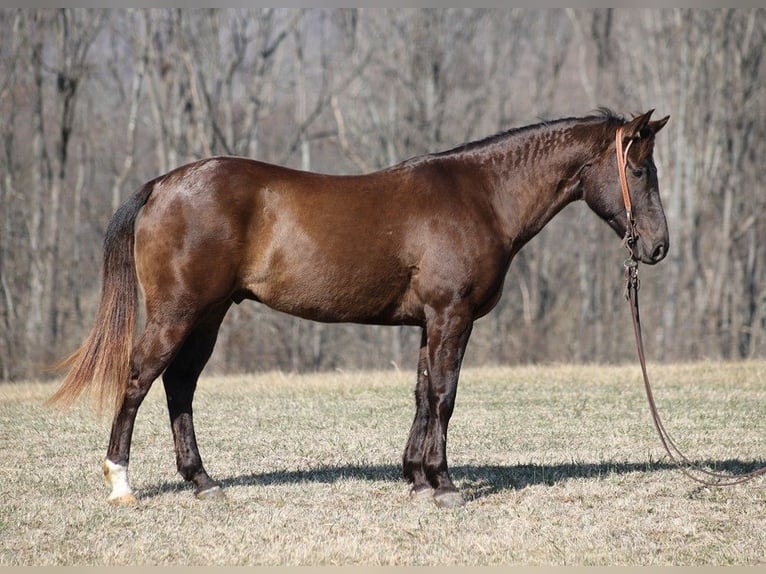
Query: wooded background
(95, 102)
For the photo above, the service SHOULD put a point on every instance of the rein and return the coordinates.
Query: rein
(682, 462)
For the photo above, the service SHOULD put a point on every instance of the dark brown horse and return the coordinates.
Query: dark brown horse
(426, 242)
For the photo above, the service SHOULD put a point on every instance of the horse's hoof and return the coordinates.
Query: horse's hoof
(212, 493)
(123, 500)
(449, 499)
(422, 494)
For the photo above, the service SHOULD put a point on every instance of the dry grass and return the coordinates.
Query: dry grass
(560, 465)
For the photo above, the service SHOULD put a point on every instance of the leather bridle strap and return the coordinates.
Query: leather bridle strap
(622, 162)
(632, 285)
(676, 455)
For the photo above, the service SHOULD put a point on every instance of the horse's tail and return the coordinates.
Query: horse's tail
(103, 359)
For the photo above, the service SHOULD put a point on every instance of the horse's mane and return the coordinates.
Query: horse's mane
(600, 115)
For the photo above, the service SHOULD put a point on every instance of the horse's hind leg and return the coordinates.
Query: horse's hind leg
(154, 350)
(180, 380)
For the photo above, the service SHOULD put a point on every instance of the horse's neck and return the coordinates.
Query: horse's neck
(533, 177)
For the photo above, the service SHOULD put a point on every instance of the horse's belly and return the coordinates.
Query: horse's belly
(337, 294)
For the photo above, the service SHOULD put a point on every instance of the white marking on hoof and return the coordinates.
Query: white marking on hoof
(124, 500)
(116, 476)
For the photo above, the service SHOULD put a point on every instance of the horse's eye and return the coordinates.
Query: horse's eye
(638, 172)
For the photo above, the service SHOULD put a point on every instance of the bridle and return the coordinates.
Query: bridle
(632, 284)
(622, 163)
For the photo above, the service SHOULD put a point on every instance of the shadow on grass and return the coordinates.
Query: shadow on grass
(475, 481)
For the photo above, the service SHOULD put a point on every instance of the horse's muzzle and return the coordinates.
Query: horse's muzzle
(653, 254)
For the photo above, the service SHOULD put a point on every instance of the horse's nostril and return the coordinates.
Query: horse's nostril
(659, 252)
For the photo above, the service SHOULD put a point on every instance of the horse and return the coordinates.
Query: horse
(426, 242)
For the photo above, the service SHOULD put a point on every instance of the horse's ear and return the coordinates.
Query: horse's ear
(643, 130)
(634, 127)
(658, 125)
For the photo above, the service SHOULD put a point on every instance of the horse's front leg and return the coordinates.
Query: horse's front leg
(412, 460)
(448, 333)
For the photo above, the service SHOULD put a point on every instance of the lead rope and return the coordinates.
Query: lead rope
(632, 285)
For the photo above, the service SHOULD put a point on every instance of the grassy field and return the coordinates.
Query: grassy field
(560, 466)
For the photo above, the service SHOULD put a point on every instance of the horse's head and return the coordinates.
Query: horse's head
(603, 193)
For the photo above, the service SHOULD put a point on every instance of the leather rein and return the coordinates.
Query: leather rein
(689, 468)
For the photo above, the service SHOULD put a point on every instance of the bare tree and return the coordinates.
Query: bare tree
(706, 64)
(57, 85)
(87, 116)
(11, 92)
